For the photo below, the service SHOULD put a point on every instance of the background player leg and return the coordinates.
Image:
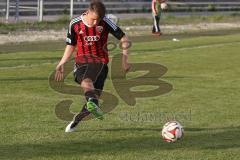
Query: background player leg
(156, 29)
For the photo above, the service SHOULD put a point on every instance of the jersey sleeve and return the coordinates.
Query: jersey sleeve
(114, 29)
(71, 35)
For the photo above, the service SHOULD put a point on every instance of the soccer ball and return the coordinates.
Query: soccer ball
(113, 17)
(164, 6)
(172, 131)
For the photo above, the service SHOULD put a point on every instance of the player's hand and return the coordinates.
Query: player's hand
(59, 73)
(126, 66)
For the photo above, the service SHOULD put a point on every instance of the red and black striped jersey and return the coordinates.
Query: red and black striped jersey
(91, 41)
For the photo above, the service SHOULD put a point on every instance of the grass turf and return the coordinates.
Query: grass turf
(204, 73)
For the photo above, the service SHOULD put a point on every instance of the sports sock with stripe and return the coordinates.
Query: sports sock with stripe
(91, 95)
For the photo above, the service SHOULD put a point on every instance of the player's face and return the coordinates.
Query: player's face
(93, 18)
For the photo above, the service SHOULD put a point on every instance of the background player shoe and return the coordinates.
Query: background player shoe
(157, 33)
(94, 109)
(71, 127)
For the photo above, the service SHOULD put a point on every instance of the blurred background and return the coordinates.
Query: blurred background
(199, 46)
(39, 10)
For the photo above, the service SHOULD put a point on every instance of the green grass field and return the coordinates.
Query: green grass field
(203, 70)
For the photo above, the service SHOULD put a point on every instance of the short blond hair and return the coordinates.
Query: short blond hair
(98, 7)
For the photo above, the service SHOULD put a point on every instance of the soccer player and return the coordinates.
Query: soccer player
(89, 32)
(156, 13)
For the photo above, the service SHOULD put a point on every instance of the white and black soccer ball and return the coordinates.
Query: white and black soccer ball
(172, 131)
(113, 18)
(164, 6)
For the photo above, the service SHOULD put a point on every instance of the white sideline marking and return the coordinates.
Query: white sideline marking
(193, 47)
(165, 51)
(27, 66)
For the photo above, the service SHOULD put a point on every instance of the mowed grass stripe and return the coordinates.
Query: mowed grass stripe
(205, 99)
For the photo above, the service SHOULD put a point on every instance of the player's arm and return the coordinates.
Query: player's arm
(125, 45)
(71, 43)
(66, 55)
(120, 35)
(60, 67)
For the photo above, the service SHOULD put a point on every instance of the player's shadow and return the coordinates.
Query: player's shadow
(124, 140)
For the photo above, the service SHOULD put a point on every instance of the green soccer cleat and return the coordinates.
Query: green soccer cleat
(95, 110)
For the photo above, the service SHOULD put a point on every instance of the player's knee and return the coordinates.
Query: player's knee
(87, 85)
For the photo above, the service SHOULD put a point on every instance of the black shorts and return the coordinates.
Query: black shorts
(97, 72)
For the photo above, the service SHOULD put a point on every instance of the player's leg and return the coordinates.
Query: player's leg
(99, 83)
(77, 119)
(87, 76)
(79, 72)
(92, 98)
(98, 87)
(92, 75)
(158, 21)
(156, 29)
